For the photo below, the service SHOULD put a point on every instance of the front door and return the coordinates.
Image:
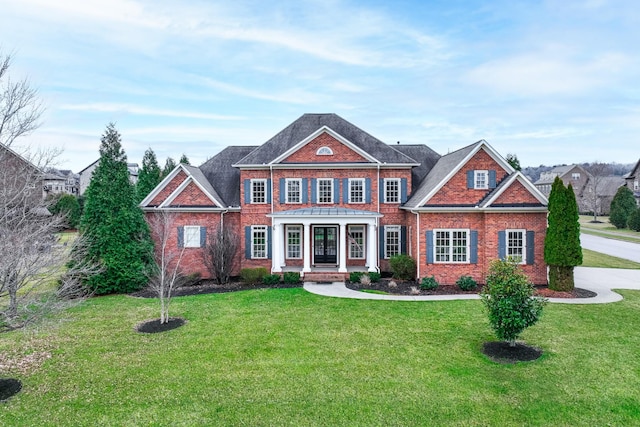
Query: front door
(325, 245)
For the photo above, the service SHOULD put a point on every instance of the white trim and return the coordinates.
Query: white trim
(363, 248)
(286, 242)
(363, 181)
(251, 181)
(286, 191)
(263, 228)
(330, 165)
(318, 191)
(191, 244)
(182, 187)
(467, 231)
(163, 184)
(384, 190)
(524, 243)
(535, 192)
(324, 151)
(477, 172)
(314, 135)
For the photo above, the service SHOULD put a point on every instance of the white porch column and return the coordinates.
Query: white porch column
(276, 248)
(372, 238)
(306, 242)
(342, 265)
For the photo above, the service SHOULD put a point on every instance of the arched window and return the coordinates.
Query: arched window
(324, 151)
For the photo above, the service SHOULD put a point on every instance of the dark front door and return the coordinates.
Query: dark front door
(325, 244)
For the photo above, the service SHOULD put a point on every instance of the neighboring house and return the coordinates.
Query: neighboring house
(19, 178)
(54, 183)
(324, 197)
(575, 175)
(607, 188)
(87, 173)
(632, 181)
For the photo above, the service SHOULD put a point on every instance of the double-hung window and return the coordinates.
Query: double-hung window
(451, 246)
(481, 179)
(258, 191)
(516, 244)
(392, 190)
(325, 190)
(392, 234)
(191, 236)
(259, 241)
(356, 190)
(356, 241)
(293, 190)
(294, 239)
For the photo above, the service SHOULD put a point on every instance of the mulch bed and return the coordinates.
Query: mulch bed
(9, 387)
(154, 326)
(211, 287)
(405, 288)
(502, 352)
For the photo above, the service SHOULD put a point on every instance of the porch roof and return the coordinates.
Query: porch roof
(325, 212)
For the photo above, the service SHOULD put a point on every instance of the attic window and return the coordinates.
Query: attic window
(324, 151)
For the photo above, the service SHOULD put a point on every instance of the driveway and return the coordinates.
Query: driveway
(617, 248)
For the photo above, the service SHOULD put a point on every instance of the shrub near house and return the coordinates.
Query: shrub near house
(324, 196)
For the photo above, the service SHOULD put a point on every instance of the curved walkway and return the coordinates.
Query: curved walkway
(598, 280)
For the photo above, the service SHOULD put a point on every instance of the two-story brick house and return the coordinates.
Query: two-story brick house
(324, 196)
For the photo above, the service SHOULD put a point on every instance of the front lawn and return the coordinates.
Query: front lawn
(287, 357)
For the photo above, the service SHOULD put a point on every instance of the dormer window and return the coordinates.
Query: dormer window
(324, 151)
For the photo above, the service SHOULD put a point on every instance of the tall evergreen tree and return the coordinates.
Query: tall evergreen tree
(622, 206)
(562, 250)
(169, 165)
(184, 159)
(512, 159)
(150, 175)
(117, 233)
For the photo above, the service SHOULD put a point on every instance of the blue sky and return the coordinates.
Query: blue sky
(553, 82)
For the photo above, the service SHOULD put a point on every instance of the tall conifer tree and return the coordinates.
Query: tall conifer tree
(169, 165)
(184, 159)
(117, 233)
(562, 250)
(150, 175)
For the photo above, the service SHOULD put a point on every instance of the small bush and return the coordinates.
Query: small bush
(365, 280)
(354, 276)
(375, 277)
(192, 279)
(634, 220)
(403, 267)
(466, 283)
(252, 276)
(291, 277)
(271, 279)
(429, 283)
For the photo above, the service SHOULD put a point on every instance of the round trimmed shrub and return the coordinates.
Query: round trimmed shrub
(271, 279)
(429, 283)
(403, 267)
(466, 283)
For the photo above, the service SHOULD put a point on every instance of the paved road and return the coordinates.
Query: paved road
(617, 248)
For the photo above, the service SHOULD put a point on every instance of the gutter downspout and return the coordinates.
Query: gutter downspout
(418, 241)
(378, 221)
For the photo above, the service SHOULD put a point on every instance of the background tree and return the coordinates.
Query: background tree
(67, 205)
(512, 159)
(184, 159)
(634, 220)
(150, 175)
(508, 298)
(220, 252)
(166, 271)
(118, 234)
(169, 165)
(562, 250)
(622, 206)
(598, 171)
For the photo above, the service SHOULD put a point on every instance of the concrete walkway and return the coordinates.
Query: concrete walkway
(598, 280)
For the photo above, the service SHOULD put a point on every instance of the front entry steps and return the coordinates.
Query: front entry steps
(325, 277)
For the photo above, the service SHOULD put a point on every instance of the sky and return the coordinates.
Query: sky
(551, 81)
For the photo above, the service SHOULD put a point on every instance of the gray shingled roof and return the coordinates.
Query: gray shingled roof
(223, 177)
(421, 154)
(308, 124)
(316, 211)
(203, 181)
(441, 169)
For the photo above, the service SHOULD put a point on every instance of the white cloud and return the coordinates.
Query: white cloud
(144, 111)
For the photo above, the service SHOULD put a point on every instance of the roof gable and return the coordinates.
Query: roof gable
(325, 146)
(515, 191)
(183, 178)
(306, 126)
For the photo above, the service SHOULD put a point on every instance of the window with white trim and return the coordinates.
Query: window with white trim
(451, 246)
(293, 190)
(258, 191)
(516, 245)
(324, 151)
(294, 240)
(392, 190)
(259, 241)
(391, 241)
(356, 241)
(191, 236)
(575, 176)
(356, 190)
(480, 179)
(325, 190)
(636, 185)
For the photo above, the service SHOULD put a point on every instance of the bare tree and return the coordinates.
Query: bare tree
(166, 272)
(598, 171)
(219, 253)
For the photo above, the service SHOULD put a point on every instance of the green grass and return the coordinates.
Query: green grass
(597, 259)
(374, 291)
(606, 229)
(286, 357)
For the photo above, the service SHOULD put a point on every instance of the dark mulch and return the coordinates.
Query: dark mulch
(405, 288)
(502, 352)
(154, 326)
(211, 287)
(9, 387)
